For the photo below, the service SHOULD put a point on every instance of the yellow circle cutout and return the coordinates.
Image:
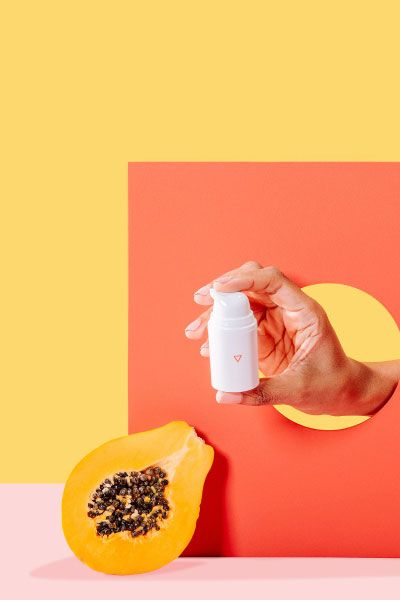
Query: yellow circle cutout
(367, 332)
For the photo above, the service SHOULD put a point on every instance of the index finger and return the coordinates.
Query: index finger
(202, 295)
(269, 282)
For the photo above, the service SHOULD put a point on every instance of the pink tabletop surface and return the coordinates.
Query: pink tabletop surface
(37, 563)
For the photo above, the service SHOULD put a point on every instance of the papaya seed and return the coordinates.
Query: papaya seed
(124, 498)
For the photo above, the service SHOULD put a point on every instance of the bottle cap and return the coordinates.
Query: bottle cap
(230, 305)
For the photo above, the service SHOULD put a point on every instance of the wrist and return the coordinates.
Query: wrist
(370, 385)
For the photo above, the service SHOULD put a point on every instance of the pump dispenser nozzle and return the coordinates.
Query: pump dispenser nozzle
(230, 305)
(232, 339)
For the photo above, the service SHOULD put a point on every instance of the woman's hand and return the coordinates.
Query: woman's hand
(299, 352)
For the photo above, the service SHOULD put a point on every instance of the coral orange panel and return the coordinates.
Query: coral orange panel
(276, 488)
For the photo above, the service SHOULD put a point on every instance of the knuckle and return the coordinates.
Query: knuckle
(273, 271)
(272, 278)
(266, 396)
(260, 396)
(252, 264)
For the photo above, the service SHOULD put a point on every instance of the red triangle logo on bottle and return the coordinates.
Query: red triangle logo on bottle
(237, 357)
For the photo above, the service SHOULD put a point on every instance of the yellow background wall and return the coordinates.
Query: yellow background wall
(89, 86)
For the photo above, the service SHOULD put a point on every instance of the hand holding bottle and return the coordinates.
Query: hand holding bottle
(298, 350)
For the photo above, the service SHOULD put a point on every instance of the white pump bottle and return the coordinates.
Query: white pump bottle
(233, 343)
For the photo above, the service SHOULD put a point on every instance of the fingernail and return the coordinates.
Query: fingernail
(228, 398)
(223, 279)
(203, 291)
(194, 325)
(204, 350)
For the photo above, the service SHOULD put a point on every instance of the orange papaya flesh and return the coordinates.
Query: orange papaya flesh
(131, 505)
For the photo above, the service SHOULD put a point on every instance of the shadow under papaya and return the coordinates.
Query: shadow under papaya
(212, 529)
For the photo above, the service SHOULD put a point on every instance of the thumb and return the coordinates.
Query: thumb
(271, 390)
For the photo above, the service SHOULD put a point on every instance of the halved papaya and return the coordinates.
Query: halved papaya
(131, 505)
